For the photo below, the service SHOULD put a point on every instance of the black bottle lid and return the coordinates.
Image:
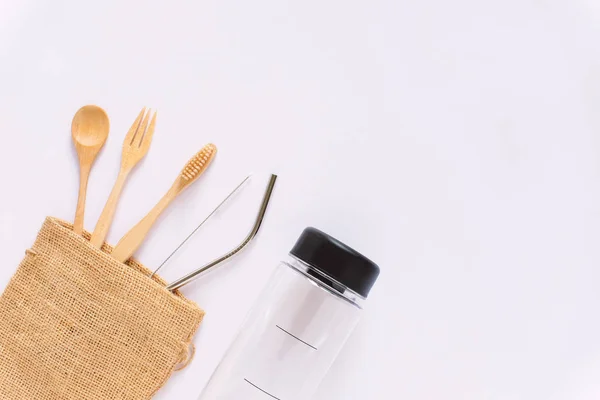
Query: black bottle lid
(337, 260)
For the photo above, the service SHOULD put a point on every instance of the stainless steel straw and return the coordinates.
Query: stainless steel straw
(238, 187)
(259, 219)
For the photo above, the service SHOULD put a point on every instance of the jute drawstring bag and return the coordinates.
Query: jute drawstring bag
(77, 324)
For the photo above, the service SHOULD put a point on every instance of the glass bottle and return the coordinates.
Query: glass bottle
(298, 325)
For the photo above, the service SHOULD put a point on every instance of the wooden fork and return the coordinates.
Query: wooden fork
(135, 147)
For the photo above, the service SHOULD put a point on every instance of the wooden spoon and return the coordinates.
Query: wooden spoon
(89, 130)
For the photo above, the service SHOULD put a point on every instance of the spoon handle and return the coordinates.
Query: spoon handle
(84, 176)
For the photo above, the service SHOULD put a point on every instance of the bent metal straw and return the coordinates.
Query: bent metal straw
(257, 224)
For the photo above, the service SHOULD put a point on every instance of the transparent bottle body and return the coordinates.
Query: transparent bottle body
(289, 339)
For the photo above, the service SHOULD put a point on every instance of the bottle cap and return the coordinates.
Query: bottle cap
(337, 260)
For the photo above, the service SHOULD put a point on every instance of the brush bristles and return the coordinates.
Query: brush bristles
(198, 163)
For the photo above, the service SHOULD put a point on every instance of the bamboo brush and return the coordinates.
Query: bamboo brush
(190, 173)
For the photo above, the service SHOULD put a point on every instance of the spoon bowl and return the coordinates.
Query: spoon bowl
(90, 127)
(89, 130)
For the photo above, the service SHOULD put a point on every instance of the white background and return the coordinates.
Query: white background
(456, 143)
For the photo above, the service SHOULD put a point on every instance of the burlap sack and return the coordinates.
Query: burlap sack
(77, 324)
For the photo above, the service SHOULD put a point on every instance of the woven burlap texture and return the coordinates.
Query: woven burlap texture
(77, 324)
